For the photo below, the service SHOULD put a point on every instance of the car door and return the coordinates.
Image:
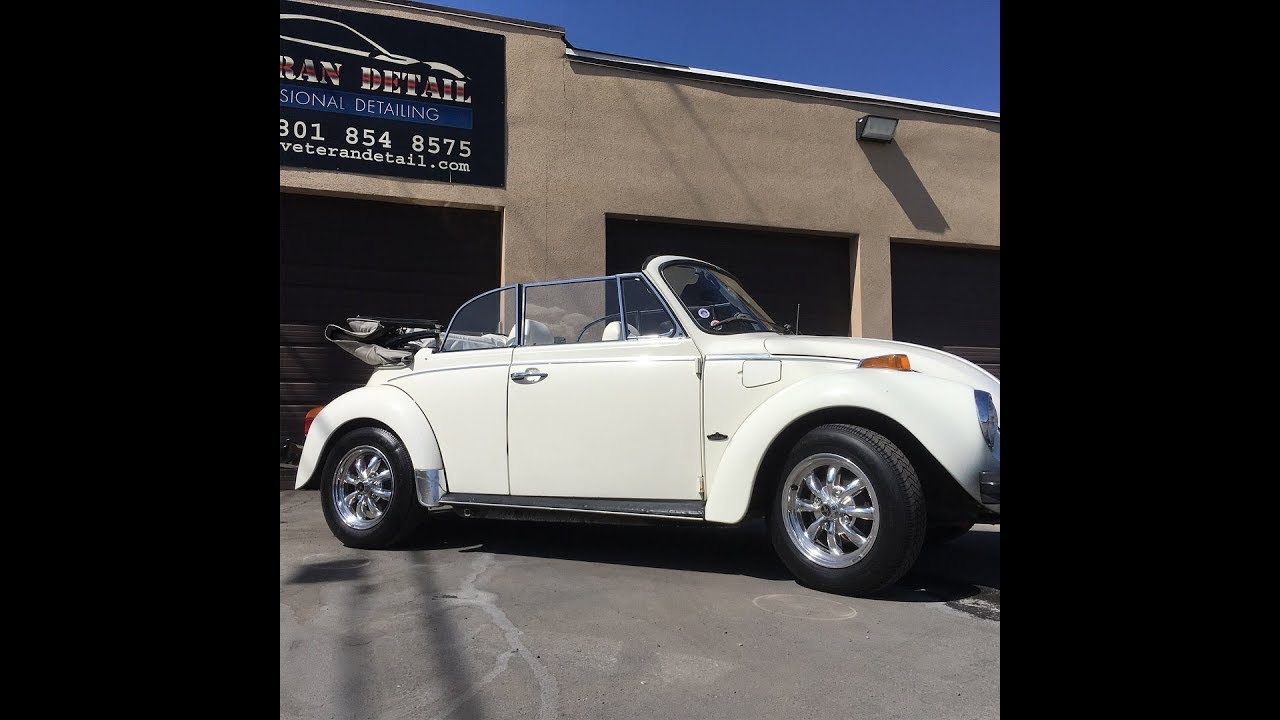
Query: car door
(462, 390)
(596, 409)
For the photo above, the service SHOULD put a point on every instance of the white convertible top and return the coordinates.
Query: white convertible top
(384, 341)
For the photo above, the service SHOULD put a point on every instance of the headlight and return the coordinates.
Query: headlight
(988, 419)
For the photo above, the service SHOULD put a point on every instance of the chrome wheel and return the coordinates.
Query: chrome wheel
(362, 487)
(830, 510)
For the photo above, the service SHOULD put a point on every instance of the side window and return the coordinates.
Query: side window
(646, 315)
(485, 322)
(569, 313)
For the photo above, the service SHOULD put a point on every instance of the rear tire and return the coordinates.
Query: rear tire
(367, 491)
(869, 514)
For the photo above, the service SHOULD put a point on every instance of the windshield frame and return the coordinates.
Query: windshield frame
(751, 306)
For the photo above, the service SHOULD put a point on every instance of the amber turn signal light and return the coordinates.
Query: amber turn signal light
(311, 416)
(889, 362)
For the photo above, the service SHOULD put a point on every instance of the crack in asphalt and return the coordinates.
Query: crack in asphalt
(287, 508)
(549, 700)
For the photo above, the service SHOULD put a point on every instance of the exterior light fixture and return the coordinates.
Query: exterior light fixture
(878, 129)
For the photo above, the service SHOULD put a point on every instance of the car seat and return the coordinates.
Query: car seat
(613, 331)
(535, 333)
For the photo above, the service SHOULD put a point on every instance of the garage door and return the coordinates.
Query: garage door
(948, 298)
(780, 269)
(341, 257)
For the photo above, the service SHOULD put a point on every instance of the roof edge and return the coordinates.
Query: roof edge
(654, 66)
(459, 12)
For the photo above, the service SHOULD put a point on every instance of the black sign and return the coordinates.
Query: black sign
(384, 96)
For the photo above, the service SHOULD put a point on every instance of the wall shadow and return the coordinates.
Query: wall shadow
(355, 693)
(446, 645)
(330, 571)
(894, 170)
(354, 655)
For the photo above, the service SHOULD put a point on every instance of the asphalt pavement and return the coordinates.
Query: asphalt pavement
(505, 619)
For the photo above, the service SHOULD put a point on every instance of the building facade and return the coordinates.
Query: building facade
(429, 154)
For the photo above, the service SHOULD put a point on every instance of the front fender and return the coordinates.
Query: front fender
(386, 404)
(940, 413)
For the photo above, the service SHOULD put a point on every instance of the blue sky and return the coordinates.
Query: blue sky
(932, 50)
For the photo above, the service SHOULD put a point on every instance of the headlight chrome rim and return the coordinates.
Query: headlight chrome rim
(988, 417)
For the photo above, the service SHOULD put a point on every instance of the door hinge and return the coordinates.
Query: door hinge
(702, 487)
(697, 370)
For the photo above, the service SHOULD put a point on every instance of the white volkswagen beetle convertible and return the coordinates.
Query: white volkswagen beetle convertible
(662, 395)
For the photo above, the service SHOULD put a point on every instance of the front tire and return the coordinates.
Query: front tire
(367, 490)
(848, 514)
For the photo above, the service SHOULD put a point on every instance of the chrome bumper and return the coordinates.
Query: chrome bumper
(989, 487)
(429, 485)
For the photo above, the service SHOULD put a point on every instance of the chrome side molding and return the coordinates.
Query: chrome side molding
(675, 509)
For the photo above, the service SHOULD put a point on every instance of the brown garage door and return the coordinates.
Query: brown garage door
(341, 257)
(779, 269)
(948, 298)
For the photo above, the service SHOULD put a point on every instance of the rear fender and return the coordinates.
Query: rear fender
(371, 405)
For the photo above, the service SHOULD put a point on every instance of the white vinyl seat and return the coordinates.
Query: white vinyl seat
(613, 331)
(535, 333)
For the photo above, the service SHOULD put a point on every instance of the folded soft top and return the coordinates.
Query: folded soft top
(383, 340)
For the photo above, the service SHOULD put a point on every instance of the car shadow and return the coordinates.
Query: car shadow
(952, 571)
(963, 568)
(731, 549)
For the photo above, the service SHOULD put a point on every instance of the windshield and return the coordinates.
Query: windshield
(716, 301)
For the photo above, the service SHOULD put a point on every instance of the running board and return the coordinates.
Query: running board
(676, 509)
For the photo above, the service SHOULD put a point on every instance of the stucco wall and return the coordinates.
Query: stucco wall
(586, 141)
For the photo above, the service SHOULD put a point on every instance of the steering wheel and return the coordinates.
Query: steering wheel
(593, 322)
(669, 333)
(718, 325)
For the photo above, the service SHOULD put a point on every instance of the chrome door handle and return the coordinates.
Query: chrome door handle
(530, 375)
